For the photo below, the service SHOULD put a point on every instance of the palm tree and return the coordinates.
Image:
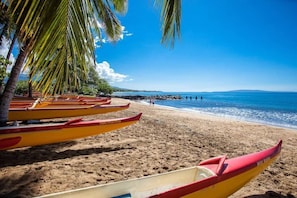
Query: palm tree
(56, 39)
(4, 19)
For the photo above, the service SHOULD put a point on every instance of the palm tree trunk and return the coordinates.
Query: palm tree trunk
(12, 44)
(9, 90)
(8, 55)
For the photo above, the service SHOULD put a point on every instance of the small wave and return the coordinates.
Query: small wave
(287, 120)
(270, 108)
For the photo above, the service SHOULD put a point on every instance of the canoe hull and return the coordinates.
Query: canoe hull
(230, 186)
(54, 104)
(216, 178)
(67, 105)
(62, 112)
(40, 135)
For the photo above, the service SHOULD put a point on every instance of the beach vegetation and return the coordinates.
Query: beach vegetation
(22, 88)
(95, 85)
(3, 74)
(55, 40)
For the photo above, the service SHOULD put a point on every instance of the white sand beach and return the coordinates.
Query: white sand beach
(163, 140)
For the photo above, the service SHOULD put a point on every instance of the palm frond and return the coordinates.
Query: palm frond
(120, 6)
(107, 17)
(171, 18)
(64, 48)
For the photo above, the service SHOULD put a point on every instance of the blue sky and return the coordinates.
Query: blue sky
(224, 45)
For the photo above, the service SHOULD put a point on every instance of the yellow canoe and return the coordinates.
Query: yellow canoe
(27, 103)
(41, 103)
(45, 104)
(75, 96)
(16, 114)
(22, 136)
(213, 178)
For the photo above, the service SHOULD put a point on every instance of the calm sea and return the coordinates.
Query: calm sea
(272, 108)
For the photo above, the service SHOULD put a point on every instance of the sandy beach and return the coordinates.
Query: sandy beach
(163, 140)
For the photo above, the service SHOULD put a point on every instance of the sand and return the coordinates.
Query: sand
(163, 140)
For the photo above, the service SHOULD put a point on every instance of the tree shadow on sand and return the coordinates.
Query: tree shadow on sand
(20, 186)
(271, 194)
(48, 153)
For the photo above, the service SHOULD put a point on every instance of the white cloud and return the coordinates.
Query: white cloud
(129, 34)
(107, 73)
(124, 34)
(4, 50)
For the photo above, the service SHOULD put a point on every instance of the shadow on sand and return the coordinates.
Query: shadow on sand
(13, 186)
(28, 184)
(271, 194)
(48, 153)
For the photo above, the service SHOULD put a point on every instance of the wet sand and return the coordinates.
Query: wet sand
(163, 140)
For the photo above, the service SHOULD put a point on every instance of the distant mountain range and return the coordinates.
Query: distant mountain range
(119, 89)
(246, 90)
(23, 77)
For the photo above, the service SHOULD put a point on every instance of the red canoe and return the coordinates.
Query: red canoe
(217, 177)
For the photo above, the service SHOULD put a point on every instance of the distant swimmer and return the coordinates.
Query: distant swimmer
(201, 97)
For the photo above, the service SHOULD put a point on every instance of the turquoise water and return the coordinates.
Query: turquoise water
(272, 108)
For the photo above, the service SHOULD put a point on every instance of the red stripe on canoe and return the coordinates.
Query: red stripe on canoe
(8, 142)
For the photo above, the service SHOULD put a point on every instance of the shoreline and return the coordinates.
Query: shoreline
(163, 140)
(202, 113)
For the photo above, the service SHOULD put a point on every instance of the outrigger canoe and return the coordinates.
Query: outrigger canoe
(20, 114)
(217, 177)
(45, 103)
(54, 104)
(80, 98)
(27, 103)
(32, 135)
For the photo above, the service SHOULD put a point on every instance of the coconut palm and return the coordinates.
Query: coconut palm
(56, 39)
(4, 20)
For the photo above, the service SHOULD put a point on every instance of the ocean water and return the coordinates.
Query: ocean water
(271, 108)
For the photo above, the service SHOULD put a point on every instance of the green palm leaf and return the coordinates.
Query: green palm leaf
(171, 17)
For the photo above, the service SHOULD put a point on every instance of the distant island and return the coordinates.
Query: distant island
(248, 90)
(118, 89)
